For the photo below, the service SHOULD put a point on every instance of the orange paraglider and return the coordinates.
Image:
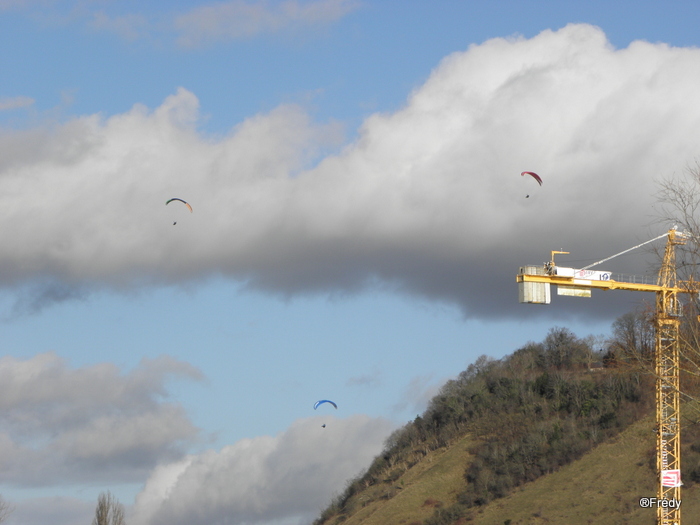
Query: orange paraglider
(182, 201)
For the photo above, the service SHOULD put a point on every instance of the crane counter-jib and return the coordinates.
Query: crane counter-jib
(527, 275)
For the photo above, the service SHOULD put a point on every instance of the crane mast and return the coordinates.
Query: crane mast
(534, 283)
(668, 431)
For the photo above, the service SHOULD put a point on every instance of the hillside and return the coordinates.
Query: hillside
(541, 436)
(602, 487)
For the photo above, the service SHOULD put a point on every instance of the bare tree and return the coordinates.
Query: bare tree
(679, 199)
(5, 509)
(633, 338)
(108, 511)
(679, 205)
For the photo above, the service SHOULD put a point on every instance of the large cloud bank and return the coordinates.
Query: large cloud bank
(428, 199)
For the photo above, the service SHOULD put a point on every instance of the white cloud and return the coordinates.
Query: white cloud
(237, 19)
(290, 476)
(207, 23)
(8, 103)
(428, 199)
(92, 423)
(15, 4)
(130, 26)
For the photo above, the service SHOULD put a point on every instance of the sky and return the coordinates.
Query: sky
(359, 218)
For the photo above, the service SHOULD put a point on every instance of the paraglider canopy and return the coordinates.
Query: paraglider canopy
(182, 201)
(316, 405)
(533, 175)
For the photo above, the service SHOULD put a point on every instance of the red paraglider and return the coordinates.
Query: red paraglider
(533, 175)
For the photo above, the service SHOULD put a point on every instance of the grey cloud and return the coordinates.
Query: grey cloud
(369, 380)
(418, 393)
(34, 298)
(90, 423)
(428, 200)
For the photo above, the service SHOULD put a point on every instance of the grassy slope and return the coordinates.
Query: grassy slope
(603, 487)
(433, 481)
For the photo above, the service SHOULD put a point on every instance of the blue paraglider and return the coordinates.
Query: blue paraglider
(319, 403)
(316, 405)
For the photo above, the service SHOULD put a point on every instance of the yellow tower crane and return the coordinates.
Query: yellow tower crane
(534, 287)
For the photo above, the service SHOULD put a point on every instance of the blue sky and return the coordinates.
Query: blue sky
(358, 222)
